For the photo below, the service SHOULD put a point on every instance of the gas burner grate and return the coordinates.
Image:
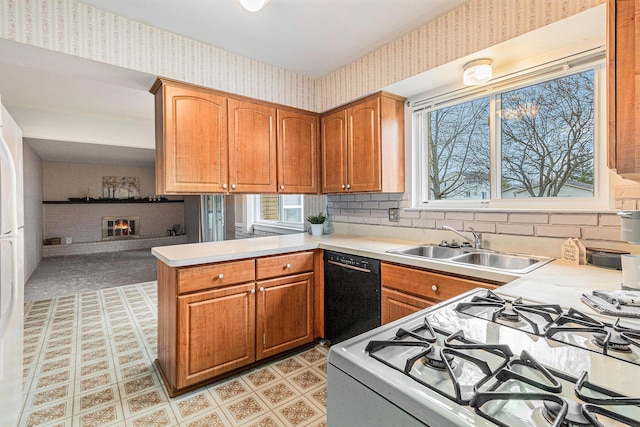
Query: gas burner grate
(527, 390)
(447, 363)
(533, 318)
(611, 339)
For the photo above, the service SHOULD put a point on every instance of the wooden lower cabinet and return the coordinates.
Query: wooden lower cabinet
(406, 290)
(396, 304)
(216, 318)
(208, 319)
(280, 329)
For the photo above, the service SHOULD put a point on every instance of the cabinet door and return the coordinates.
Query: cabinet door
(297, 152)
(364, 161)
(623, 63)
(191, 150)
(216, 333)
(284, 314)
(396, 305)
(334, 152)
(252, 147)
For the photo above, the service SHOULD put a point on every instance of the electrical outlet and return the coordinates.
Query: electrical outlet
(393, 215)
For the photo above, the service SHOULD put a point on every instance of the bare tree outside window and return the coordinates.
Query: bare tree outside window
(548, 138)
(458, 151)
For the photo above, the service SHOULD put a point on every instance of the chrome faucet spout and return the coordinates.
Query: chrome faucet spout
(477, 237)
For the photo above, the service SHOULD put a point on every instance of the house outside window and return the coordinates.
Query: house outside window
(537, 138)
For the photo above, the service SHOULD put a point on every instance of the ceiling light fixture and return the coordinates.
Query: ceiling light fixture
(477, 72)
(253, 5)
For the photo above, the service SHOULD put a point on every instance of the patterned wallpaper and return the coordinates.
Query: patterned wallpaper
(470, 28)
(77, 29)
(74, 28)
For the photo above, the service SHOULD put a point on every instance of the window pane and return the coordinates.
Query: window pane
(292, 215)
(458, 151)
(547, 138)
(285, 208)
(291, 208)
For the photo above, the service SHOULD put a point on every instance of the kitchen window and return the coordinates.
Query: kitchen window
(532, 141)
(284, 210)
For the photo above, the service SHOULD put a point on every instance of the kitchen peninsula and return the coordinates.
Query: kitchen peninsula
(231, 292)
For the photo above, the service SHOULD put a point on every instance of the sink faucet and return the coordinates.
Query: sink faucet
(477, 237)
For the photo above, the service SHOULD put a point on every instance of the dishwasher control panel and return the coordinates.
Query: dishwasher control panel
(349, 260)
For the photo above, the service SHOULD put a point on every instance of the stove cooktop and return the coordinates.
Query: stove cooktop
(570, 326)
(502, 367)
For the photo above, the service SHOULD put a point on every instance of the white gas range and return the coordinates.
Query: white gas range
(484, 360)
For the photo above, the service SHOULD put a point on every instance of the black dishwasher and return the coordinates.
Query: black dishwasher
(351, 295)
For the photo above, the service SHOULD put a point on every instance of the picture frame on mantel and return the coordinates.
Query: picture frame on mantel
(121, 187)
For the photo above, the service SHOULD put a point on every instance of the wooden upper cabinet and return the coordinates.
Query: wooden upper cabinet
(623, 66)
(334, 152)
(363, 156)
(252, 147)
(363, 146)
(191, 140)
(297, 152)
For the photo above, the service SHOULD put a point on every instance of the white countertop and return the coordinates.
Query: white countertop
(558, 282)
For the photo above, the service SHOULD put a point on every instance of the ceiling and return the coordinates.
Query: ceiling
(310, 37)
(77, 110)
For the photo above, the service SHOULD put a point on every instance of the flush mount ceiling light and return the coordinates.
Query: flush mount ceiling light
(477, 72)
(253, 5)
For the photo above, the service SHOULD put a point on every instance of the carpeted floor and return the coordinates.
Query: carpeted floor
(88, 361)
(68, 275)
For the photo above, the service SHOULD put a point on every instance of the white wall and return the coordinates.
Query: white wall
(63, 180)
(32, 210)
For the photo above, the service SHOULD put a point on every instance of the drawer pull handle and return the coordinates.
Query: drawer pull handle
(224, 186)
(233, 186)
(287, 266)
(344, 186)
(253, 291)
(348, 186)
(434, 288)
(261, 288)
(282, 187)
(220, 276)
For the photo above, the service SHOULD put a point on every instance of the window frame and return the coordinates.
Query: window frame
(536, 75)
(278, 223)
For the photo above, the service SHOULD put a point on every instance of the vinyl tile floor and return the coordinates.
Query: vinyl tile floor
(88, 361)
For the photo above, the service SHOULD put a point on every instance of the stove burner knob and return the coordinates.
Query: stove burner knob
(220, 276)
(288, 266)
(434, 288)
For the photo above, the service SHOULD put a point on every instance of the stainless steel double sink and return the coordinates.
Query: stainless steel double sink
(512, 263)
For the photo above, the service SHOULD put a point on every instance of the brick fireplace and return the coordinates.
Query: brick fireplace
(115, 228)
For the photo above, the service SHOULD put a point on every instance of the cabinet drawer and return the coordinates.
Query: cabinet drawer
(426, 284)
(215, 275)
(284, 265)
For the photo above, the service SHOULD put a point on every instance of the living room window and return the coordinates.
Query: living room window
(534, 141)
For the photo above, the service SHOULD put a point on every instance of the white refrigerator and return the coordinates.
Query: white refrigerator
(11, 270)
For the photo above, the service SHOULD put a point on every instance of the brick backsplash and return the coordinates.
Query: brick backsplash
(362, 209)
